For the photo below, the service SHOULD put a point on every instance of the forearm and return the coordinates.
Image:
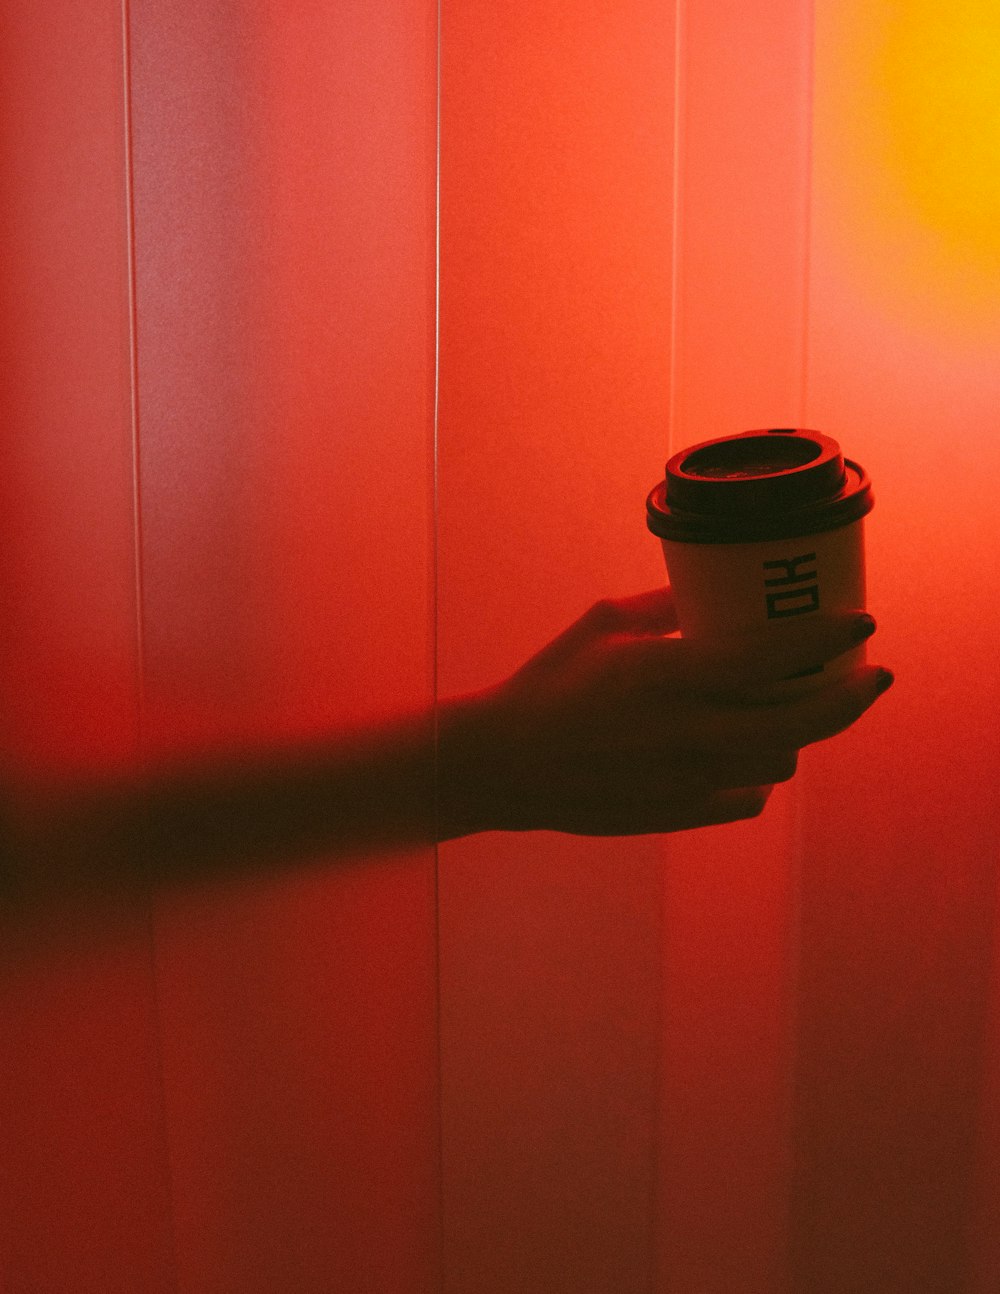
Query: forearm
(401, 783)
(368, 791)
(398, 784)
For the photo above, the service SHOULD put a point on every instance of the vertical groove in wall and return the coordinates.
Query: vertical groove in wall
(809, 40)
(796, 862)
(172, 1277)
(659, 1276)
(133, 366)
(675, 285)
(435, 565)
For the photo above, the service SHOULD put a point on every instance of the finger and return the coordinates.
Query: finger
(731, 665)
(792, 724)
(673, 796)
(731, 772)
(655, 815)
(651, 613)
(723, 807)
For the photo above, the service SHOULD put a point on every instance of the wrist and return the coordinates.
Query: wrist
(470, 795)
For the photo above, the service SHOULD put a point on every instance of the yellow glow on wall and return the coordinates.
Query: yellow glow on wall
(940, 68)
(908, 101)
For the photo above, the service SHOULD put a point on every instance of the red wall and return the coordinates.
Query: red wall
(340, 347)
(218, 342)
(830, 1076)
(84, 1190)
(556, 131)
(896, 1089)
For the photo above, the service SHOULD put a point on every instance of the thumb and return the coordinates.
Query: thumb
(643, 615)
(653, 612)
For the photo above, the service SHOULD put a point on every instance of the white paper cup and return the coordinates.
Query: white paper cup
(759, 530)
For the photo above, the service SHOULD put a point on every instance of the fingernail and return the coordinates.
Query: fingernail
(884, 680)
(864, 626)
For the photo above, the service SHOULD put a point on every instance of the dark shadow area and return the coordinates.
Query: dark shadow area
(614, 728)
(218, 817)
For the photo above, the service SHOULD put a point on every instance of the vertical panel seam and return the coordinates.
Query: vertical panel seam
(435, 637)
(133, 373)
(796, 842)
(140, 652)
(809, 60)
(675, 231)
(659, 1276)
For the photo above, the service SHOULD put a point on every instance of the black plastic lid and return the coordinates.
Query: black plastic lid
(771, 484)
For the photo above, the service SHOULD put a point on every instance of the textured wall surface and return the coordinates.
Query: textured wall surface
(340, 347)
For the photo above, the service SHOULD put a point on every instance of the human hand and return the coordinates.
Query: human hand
(616, 729)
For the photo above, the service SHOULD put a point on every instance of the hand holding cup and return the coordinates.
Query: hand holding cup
(617, 728)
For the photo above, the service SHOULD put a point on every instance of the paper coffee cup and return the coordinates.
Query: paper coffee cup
(758, 530)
